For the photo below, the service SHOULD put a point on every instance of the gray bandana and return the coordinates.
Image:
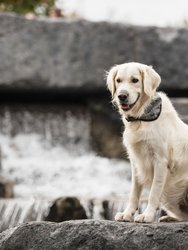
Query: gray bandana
(152, 112)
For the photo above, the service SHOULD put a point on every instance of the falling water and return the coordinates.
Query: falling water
(46, 150)
(16, 211)
(56, 124)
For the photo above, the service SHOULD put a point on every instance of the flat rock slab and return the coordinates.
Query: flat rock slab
(57, 54)
(92, 234)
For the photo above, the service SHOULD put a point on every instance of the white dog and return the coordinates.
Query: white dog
(156, 140)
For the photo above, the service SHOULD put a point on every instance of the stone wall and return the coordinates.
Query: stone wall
(47, 54)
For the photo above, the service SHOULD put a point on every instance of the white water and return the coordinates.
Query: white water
(41, 170)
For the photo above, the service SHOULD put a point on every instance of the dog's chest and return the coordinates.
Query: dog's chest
(141, 151)
(136, 133)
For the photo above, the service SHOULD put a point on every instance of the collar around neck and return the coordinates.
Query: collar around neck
(151, 113)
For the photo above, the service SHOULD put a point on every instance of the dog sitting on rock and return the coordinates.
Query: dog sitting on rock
(156, 140)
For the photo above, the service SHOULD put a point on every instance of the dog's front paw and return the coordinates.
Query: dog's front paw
(144, 218)
(124, 217)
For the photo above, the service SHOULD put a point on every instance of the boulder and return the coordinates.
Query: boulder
(6, 187)
(106, 128)
(48, 54)
(63, 209)
(91, 234)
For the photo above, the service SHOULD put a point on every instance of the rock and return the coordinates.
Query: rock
(68, 208)
(181, 106)
(44, 54)
(106, 128)
(91, 234)
(6, 188)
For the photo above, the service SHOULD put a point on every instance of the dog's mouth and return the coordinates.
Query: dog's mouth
(126, 106)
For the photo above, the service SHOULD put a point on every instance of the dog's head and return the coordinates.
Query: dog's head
(132, 85)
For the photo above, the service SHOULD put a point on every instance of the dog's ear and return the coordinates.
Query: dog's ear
(110, 80)
(151, 80)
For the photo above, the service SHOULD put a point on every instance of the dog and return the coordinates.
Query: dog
(157, 143)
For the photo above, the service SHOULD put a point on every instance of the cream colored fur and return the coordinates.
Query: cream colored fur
(158, 150)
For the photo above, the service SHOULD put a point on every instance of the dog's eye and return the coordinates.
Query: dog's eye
(118, 80)
(134, 80)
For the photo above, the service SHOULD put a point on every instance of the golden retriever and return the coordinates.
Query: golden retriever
(156, 140)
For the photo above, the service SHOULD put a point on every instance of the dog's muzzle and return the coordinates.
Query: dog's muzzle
(123, 100)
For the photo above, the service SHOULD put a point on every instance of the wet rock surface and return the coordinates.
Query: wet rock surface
(6, 187)
(64, 209)
(91, 234)
(74, 55)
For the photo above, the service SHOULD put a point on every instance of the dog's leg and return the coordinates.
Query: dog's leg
(159, 179)
(175, 206)
(179, 210)
(136, 189)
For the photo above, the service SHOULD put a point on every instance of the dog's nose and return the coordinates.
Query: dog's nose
(123, 97)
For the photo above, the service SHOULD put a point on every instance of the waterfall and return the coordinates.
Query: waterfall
(16, 211)
(47, 151)
(56, 124)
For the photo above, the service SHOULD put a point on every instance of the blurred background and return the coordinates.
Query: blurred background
(145, 12)
(61, 155)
